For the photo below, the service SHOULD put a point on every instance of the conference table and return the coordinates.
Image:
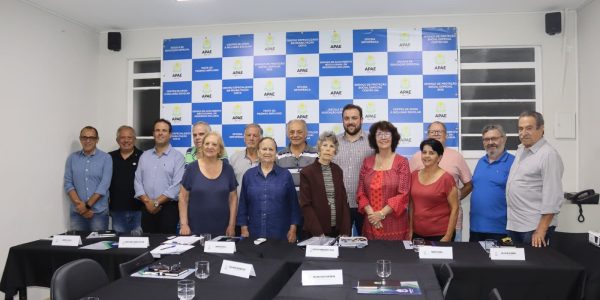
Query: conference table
(546, 273)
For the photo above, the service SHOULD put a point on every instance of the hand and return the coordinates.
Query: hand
(155, 210)
(446, 239)
(291, 235)
(149, 205)
(409, 235)
(230, 231)
(245, 233)
(88, 214)
(538, 238)
(185, 229)
(378, 225)
(80, 207)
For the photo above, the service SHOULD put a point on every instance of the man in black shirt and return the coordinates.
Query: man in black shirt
(125, 209)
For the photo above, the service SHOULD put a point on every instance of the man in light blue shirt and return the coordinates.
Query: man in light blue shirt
(157, 179)
(87, 178)
(488, 199)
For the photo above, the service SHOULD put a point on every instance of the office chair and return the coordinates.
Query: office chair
(126, 268)
(495, 294)
(445, 277)
(75, 279)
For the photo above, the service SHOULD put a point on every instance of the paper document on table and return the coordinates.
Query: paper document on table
(183, 240)
(318, 240)
(103, 245)
(144, 274)
(169, 249)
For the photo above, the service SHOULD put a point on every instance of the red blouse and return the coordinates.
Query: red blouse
(381, 188)
(431, 210)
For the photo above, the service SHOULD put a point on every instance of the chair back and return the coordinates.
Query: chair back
(75, 279)
(127, 268)
(445, 277)
(495, 294)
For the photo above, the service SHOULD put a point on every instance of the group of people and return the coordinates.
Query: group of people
(351, 180)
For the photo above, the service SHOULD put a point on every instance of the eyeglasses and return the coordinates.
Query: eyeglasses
(88, 138)
(492, 139)
(436, 132)
(383, 134)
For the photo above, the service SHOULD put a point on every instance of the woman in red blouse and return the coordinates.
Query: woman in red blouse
(433, 197)
(383, 186)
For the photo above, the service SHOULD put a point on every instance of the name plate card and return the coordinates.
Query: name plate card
(238, 269)
(503, 253)
(219, 247)
(134, 242)
(66, 240)
(434, 252)
(322, 277)
(322, 251)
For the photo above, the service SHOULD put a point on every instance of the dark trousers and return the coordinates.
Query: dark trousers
(525, 237)
(435, 238)
(357, 219)
(482, 236)
(165, 221)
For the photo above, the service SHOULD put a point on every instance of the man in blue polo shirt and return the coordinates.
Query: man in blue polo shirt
(488, 199)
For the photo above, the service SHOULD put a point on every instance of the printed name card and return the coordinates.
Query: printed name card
(322, 277)
(322, 251)
(434, 252)
(219, 247)
(238, 269)
(134, 242)
(503, 253)
(66, 240)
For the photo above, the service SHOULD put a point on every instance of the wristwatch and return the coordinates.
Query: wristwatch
(382, 215)
(87, 206)
(156, 203)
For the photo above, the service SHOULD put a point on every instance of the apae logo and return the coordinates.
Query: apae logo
(371, 111)
(302, 112)
(336, 41)
(269, 89)
(206, 46)
(405, 134)
(440, 62)
(269, 43)
(370, 64)
(302, 65)
(336, 88)
(176, 72)
(236, 113)
(176, 114)
(268, 131)
(337, 129)
(238, 68)
(404, 40)
(206, 91)
(440, 110)
(405, 89)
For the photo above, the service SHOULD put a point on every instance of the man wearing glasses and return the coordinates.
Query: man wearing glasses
(488, 200)
(87, 179)
(453, 163)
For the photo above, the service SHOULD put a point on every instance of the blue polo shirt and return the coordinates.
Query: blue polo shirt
(488, 199)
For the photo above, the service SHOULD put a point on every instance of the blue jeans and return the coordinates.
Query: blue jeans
(525, 237)
(97, 223)
(127, 221)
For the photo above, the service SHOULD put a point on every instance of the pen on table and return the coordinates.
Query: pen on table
(167, 247)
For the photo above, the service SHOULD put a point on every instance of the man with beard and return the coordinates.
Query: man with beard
(488, 199)
(352, 150)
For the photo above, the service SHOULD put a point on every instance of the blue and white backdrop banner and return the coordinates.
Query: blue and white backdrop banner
(408, 77)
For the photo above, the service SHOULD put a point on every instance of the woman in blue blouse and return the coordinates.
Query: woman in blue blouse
(268, 202)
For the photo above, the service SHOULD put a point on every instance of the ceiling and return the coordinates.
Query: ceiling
(106, 15)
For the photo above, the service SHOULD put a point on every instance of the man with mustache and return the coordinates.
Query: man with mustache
(534, 189)
(488, 199)
(352, 150)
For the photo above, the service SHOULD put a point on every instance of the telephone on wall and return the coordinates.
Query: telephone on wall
(583, 197)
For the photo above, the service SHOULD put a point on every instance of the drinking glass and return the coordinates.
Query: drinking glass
(205, 237)
(186, 289)
(384, 269)
(418, 243)
(489, 244)
(202, 269)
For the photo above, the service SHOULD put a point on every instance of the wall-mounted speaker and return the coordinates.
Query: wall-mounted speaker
(114, 41)
(553, 23)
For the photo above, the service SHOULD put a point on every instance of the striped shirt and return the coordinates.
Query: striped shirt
(350, 157)
(287, 160)
(329, 191)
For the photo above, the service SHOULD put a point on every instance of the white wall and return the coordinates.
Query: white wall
(48, 84)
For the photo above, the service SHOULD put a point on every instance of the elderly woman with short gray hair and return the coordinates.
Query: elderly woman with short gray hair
(323, 196)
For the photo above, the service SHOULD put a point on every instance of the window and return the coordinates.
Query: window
(496, 85)
(144, 99)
